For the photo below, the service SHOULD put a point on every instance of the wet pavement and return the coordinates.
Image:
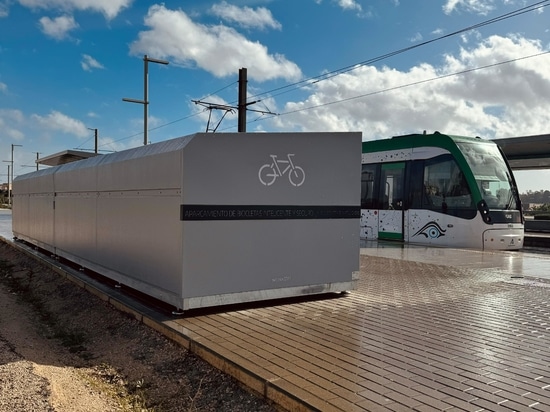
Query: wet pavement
(5, 224)
(531, 263)
(426, 329)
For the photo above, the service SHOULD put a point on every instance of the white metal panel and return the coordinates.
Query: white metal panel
(75, 223)
(140, 236)
(263, 254)
(228, 166)
(78, 176)
(41, 218)
(120, 214)
(225, 257)
(150, 167)
(33, 215)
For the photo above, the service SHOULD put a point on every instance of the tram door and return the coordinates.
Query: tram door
(390, 216)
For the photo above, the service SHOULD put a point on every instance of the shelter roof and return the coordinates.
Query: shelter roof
(66, 156)
(527, 152)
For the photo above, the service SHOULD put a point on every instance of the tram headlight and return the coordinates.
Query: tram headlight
(484, 210)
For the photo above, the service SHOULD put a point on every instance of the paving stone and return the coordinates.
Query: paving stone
(438, 335)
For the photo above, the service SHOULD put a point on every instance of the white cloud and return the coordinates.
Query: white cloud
(88, 63)
(58, 121)
(109, 8)
(469, 5)
(11, 121)
(110, 144)
(4, 9)
(153, 121)
(59, 27)
(3, 87)
(481, 7)
(353, 5)
(416, 38)
(12, 114)
(218, 49)
(349, 5)
(505, 100)
(247, 17)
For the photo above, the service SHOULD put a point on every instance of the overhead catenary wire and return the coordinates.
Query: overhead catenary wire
(444, 76)
(221, 90)
(402, 86)
(328, 75)
(151, 129)
(169, 123)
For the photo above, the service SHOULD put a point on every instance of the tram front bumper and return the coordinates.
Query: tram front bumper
(503, 239)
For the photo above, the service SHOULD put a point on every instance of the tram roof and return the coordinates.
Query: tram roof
(527, 152)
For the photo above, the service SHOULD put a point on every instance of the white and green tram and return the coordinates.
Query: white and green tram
(440, 190)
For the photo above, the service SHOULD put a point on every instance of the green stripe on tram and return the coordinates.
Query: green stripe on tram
(390, 235)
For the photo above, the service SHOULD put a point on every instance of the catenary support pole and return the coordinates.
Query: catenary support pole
(242, 100)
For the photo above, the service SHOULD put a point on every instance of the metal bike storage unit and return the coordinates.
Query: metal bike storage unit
(206, 219)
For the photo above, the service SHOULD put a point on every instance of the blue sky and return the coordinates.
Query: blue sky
(65, 66)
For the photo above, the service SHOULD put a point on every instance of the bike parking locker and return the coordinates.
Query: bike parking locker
(206, 219)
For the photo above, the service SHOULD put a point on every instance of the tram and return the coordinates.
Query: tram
(440, 190)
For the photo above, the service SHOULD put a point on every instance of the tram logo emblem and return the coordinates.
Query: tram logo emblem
(431, 230)
(269, 172)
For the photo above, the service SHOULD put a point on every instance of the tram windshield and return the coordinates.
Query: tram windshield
(493, 177)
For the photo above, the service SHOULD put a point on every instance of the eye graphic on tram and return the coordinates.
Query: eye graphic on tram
(431, 230)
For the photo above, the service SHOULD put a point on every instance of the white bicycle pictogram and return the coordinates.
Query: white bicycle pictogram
(269, 172)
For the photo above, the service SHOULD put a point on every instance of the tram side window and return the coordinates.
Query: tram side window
(368, 177)
(392, 186)
(444, 185)
(417, 194)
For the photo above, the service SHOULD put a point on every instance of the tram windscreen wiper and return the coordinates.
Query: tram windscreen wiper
(510, 199)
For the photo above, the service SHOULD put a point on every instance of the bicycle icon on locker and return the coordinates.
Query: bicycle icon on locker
(269, 172)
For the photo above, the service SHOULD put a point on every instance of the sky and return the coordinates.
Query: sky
(381, 67)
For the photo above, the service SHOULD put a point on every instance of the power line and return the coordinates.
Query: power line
(83, 143)
(166, 124)
(220, 90)
(325, 76)
(328, 75)
(413, 83)
(151, 129)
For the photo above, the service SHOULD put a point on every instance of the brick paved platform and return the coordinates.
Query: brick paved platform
(427, 330)
(414, 336)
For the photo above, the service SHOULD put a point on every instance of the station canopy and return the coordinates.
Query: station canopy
(527, 152)
(66, 156)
